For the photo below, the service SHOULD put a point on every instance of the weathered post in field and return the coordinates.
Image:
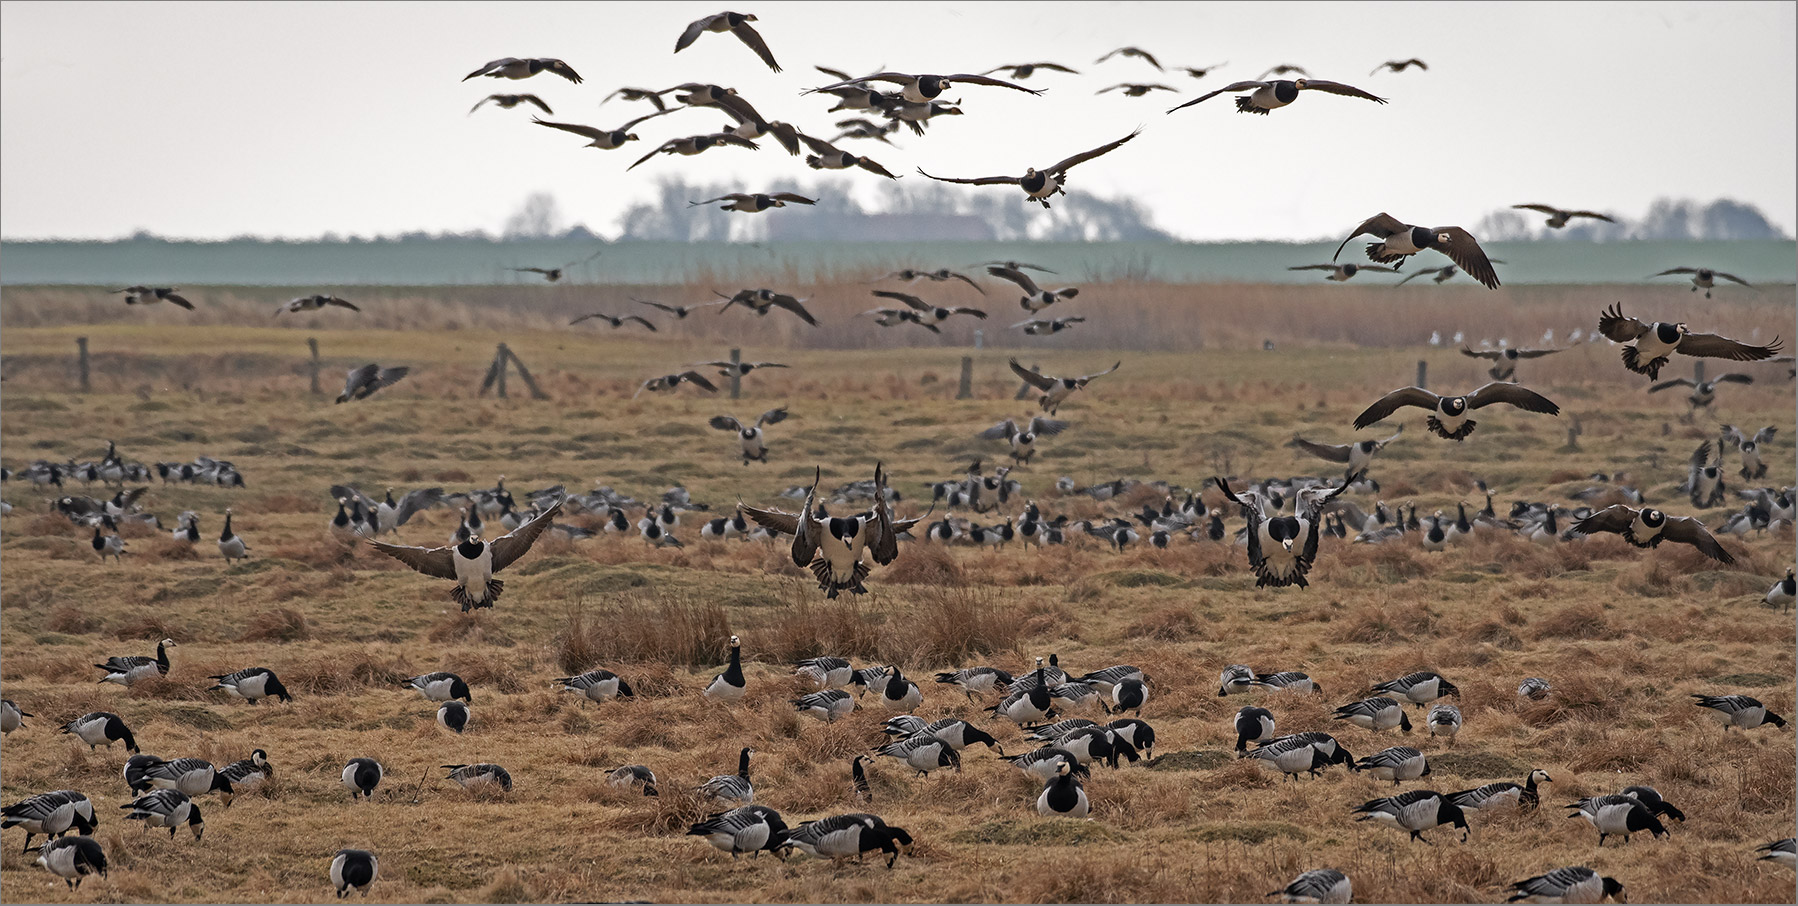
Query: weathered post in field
(966, 390)
(1573, 433)
(493, 373)
(524, 374)
(1422, 367)
(1024, 390)
(81, 344)
(312, 344)
(736, 378)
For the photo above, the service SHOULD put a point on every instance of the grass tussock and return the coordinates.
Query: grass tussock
(280, 624)
(1576, 622)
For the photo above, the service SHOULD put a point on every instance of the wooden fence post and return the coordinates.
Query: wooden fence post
(312, 344)
(493, 371)
(499, 365)
(736, 379)
(1422, 367)
(524, 374)
(81, 343)
(966, 390)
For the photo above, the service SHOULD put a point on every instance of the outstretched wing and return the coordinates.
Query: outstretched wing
(1513, 394)
(1331, 452)
(1676, 382)
(1379, 225)
(1676, 270)
(725, 423)
(432, 561)
(1032, 378)
(1463, 249)
(1088, 377)
(1615, 326)
(976, 79)
(793, 305)
(1047, 427)
(694, 30)
(772, 416)
(1394, 401)
(884, 545)
(1233, 86)
(1536, 353)
(1313, 267)
(1338, 88)
(907, 298)
(576, 128)
(1004, 429)
(749, 36)
(1493, 354)
(513, 544)
(1540, 208)
(1612, 519)
(778, 520)
(1730, 277)
(1084, 156)
(1713, 346)
(639, 319)
(1592, 214)
(667, 308)
(1687, 530)
(1016, 276)
(978, 181)
(694, 377)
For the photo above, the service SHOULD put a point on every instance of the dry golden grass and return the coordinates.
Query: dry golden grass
(1624, 635)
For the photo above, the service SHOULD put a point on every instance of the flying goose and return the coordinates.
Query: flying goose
(363, 382)
(1615, 814)
(827, 706)
(1136, 52)
(734, 23)
(616, 322)
(1377, 713)
(603, 139)
(749, 829)
(922, 89)
(1401, 66)
(1284, 69)
(473, 562)
(1022, 71)
(1319, 885)
(826, 156)
(634, 775)
(1419, 688)
(1648, 527)
(1272, 540)
(730, 685)
(732, 787)
(757, 202)
(1396, 764)
(1654, 343)
(928, 315)
(1344, 272)
(598, 686)
(146, 295)
(252, 685)
(354, 869)
(754, 442)
(1023, 439)
(1506, 359)
(1056, 390)
(1038, 185)
(695, 144)
(1063, 795)
(508, 101)
(762, 301)
(1416, 812)
(1399, 240)
(1558, 218)
(467, 774)
(833, 547)
(361, 776)
(1753, 467)
(439, 687)
(1448, 418)
(167, 808)
(11, 716)
(680, 312)
(1136, 89)
(1785, 852)
(552, 274)
(73, 859)
(515, 68)
(1738, 711)
(1038, 327)
(1702, 278)
(1441, 275)
(1494, 795)
(671, 381)
(1357, 455)
(1573, 884)
(128, 669)
(1270, 96)
(313, 303)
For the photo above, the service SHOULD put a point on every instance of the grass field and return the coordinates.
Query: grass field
(1624, 635)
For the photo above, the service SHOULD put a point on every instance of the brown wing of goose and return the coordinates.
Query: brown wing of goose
(694, 377)
(907, 298)
(977, 181)
(1464, 250)
(1513, 394)
(1492, 354)
(977, 79)
(1233, 86)
(1032, 378)
(1536, 353)
(432, 561)
(749, 36)
(576, 128)
(1710, 345)
(1329, 87)
(1687, 530)
(1330, 452)
(1615, 326)
(1063, 166)
(1612, 519)
(1380, 226)
(884, 545)
(694, 30)
(512, 545)
(1394, 401)
(1016, 276)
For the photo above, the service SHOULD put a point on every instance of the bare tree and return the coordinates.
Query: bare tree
(540, 217)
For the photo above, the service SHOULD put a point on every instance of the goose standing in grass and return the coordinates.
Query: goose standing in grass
(1287, 681)
(837, 837)
(598, 686)
(11, 716)
(1282, 549)
(126, 670)
(1136, 733)
(473, 562)
(361, 776)
(634, 775)
(193, 776)
(923, 753)
(1654, 343)
(1414, 812)
(101, 728)
(1780, 595)
(1269, 96)
(167, 808)
(1651, 800)
(231, 544)
(734, 788)
(112, 545)
(515, 68)
(825, 672)
(754, 442)
(1505, 793)
(959, 734)
(1319, 885)
(252, 685)
(1253, 725)
(749, 829)
(1648, 527)
(1616, 814)
(984, 680)
(453, 715)
(1235, 678)
(1740, 711)
(439, 687)
(1377, 713)
(832, 548)
(1444, 720)
(1028, 706)
(858, 780)
(1574, 884)
(827, 706)
(1703, 278)
(50, 814)
(730, 685)
(73, 859)
(1785, 852)
(249, 773)
(1095, 743)
(354, 869)
(1063, 796)
(900, 694)
(1041, 185)
(466, 775)
(1396, 764)
(1419, 688)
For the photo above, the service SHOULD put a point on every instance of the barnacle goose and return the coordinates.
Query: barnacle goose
(101, 728)
(903, 725)
(825, 672)
(192, 776)
(1077, 696)
(1494, 795)
(1783, 592)
(1738, 711)
(976, 679)
(1419, 688)
(1058, 729)
(1063, 795)
(1029, 706)
(1573, 884)
(11, 716)
(827, 705)
(1045, 762)
(729, 685)
(1395, 764)
(598, 686)
(732, 787)
(1446, 720)
(112, 545)
(634, 775)
(1534, 688)
(439, 687)
(1319, 885)
(1288, 681)
(1651, 800)
(923, 753)
(959, 734)
(1130, 695)
(73, 858)
(466, 775)
(1289, 754)
(870, 679)
(749, 829)
(134, 772)
(51, 814)
(354, 869)
(1137, 733)
(1235, 678)
(252, 685)
(167, 808)
(126, 670)
(1090, 744)
(1108, 678)
(1616, 814)
(453, 715)
(1416, 812)
(858, 779)
(361, 776)
(1377, 713)
(900, 694)
(1785, 852)
(836, 837)
(249, 773)
(1253, 725)
(231, 544)
(472, 562)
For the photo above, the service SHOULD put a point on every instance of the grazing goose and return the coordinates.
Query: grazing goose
(249, 773)
(983, 680)
(749, 829)
(1444, 719)
(508, 101)
(1415, 812)
(732, 23)
(871, 679)
(1495, 795)
(1702, 278)
(900, 694)
(167, 808)
(837, 837)
(1357, 455)
(51, 814)
(825, 672)
(598, 686)
(73, 859)
(252, 685)
(1235, 678)
(231, 544)
(732, 787)
(1292, 754)
(1253, 725)
(1377, 713)
(466, 774)
(514, 68)
(1448, 414)
(1045, 762)
(1063, 796)
(1130, 695)
(354, 869)
(1654, 343)
(1401, 66)
(1056, 390)
(603, 139)
(1648, 527)
(1288, 681)
(827, 706)
(1780, 595)
(923, 753)
(1106, 680)
(1270, 96)
(1023, 440)
(1399, 240)
(615, 322)
(12, 716)
(959, 734)
(833, 547)
(1041, 185)
(1076, 696)
(453, 715)
(1738, 711)
(1419, 688)
(754, 442)
(903, 726)
(1272, 553)
(634, 775)
(1036, 299)
(192, 776)
(126, 670)
(1027, 706)
(112, 545)
(1319, 885)
(315, 303)
(473, 562)
(730, 685)
(1395, 764)
(134, 771)
(1342, 273)
(1785, 852)
(757, 202)
(146, 295)
(361, 383)
(1616, 814)
(1573, 884)
(1534, 688)
(361, 776)
(1038, 327)
(439, 687)
(1136, 733)
(1557, 218)
(1093, 743)
(101, 728)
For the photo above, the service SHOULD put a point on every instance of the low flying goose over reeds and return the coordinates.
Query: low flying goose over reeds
(1269, 96)
(515, 68)
(1440, 275)
(861, 127)
(354, 869)
(1282, 549)
(894, 317)
(1357, 455)
(1449, 414)
(680, 312)
(762, 301)
(732, 23)
(603, 139)
(1648, 527)
(1415, 812)
(1038, 327)
(753, 441)
(1136, 52)
(826, 156)
(508, 101)
(940, 275)
(1704, 393)
(552, 274)
(73, 859)
(1136, 89)
(922, 89)
(1022, 71)
(833, 547)
(671, 381)
(1505, 367)
(253, 685)
(1401, 66)
(473, 562)
(167, 808)
(1703, 278)
(1654, 343)
(616, 322)
(128, 669)
(361, 383)
(757, 202)
(1319, 885)
(1741, 711)
(695, 144)
(1056, 390)
(1399, 240)
(928, 315)
(1557, 218)
(1040, 185)
(749, 829)
(1573, 884)
(313, 303)
(740, 369)
(1344, 272)
(145, 295)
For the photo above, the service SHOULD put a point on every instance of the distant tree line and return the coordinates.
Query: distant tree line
(1667, 219)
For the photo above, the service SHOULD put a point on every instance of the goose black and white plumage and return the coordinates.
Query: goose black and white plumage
(145, 295)
(1041, 185)
(1319, 885)
(315, 302)
(508, 101)
(1419, 688)
(361, 383)
(1654, 343)
(634, 775)
(354, 869)
(1036, 299)
(1063, 796)
(231, 544)
(106, 545)
(1785, 852)
(1505, 367)
(1783, 592)
(248, 773)
(1095, 743)
(51, 814)
(900, 694)
(73, 859)
(253, 684)
(754, 442)
(983, 680)
(1651, 800)
(1283, 548)
(361, 776)
(453, 715)
(826, 156)
(1616, 814)
(1045, 762)
(833, 547)
(1105, 680)
(1557, 218)
(1648, 527)
(1573, 884)
(1399, 240)
(603, 139)
(1269, 96)
(1448, 414)
(732, 787)
(1135, 732)
(1040, 327)
(1534, 688)
(11, 716)
(1022, 71)
(439, 687)
(695, 144)
(680, 312)
(923, 753)
(1377, 713)
(128, 669)
(1288, 680)
(1253, 725)
(928, 315)
(1396, 764)
(825, 672)
(755, 202)
(1136, 89)
(134, 771)
(761, 301)
(922, 89)
(515, 68)
(1235, 678)
(1023, 439)
(466, 775)
(1740, 711)
(473, 562)
(1414, 812)
(1130, 695)
(599, 686)
(730, 685)
(192, 776)
(827, 706)
(1357, 456)
(1504, 794)
(749, 829)
(1292, 754)
(1342, 273)
(167, 808)
(1030, 705)
(957, 733)
(1750, 446)
(1702, 278)
(732, 23)
(1444, 720)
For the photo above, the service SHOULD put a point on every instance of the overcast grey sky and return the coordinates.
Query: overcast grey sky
(210, 120)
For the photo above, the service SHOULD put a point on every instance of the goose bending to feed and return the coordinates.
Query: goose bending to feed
(603, 139)
(1648, 527)
(598, 686)
(1283, 548)
(51, 814)
(167, 808)
(1741, 711)
(1319, 885)
(101, 728)
(1703, 278)
(1269, 96)
(515, 68)
(73, 859)
(466, 775)
(128, 669)
(439, 687)
(1400, 240)
(754, 442)
(827, 706)
(1448, 414)
(1557, 218)
(1041, 185)
(1377, 713)
(1415, 812)
(354, 869)
(508, 101)
(833, 548)
(749, 829)
(634, 775)
(1573, 884)
(757, 202)
(1056, 390)
(473, 562)
(253, 684)
(361, 776)
(1419, 688)
(1652, 344)
(1505, 793)
(1617, 814)
(361, 383)
(728, 23)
